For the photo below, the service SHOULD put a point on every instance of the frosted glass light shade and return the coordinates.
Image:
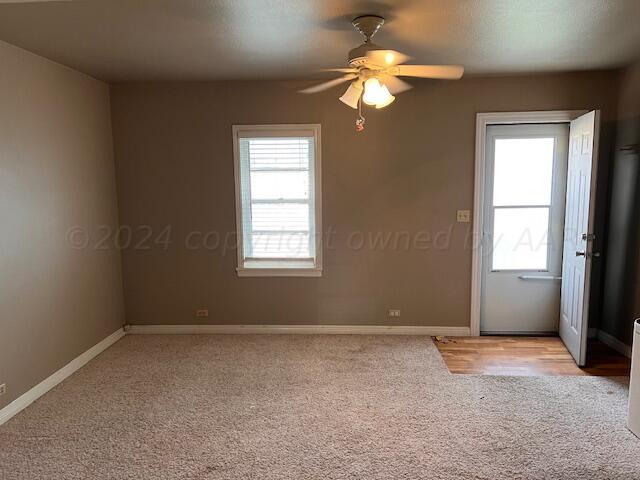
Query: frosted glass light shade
(352, 95)
(388, 101)
(376, 94)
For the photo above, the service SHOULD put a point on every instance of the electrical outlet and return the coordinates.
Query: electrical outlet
(463, 216)
(394, 313)
(3, 389)
(202, 313)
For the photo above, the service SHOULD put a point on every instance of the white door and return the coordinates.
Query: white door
(576, 264)
(525, 185)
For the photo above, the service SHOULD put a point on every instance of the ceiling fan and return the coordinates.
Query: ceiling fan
(374, 71)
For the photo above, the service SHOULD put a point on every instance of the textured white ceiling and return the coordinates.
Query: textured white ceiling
(119, 40)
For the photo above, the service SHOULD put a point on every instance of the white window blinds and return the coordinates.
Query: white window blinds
(277, 192)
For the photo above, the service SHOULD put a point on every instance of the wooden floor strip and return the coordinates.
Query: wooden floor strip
(526, 356)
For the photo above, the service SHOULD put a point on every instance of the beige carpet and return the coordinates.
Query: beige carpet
(314, 407)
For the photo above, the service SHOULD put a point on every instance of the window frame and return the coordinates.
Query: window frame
(489, 191)
(279, 267)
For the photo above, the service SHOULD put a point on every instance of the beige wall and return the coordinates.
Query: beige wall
(409, 171)
(56, 171)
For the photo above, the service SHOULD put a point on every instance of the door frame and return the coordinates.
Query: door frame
(483, 120)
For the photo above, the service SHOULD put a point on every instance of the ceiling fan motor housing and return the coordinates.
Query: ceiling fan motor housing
(358, 56)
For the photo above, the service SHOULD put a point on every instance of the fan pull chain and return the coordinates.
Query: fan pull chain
(360, 119)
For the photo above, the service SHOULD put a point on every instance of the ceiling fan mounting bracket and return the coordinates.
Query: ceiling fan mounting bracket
(368, 25)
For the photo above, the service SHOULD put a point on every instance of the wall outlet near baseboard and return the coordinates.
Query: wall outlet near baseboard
(394, 313)
(202, 313)
(3, 389)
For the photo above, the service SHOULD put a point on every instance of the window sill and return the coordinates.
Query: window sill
(279, 268)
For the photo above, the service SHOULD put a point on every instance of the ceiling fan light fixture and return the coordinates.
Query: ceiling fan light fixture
(352, 95)
(376, 94)
(374, 70)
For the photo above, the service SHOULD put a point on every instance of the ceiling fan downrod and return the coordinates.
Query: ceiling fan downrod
(367, 25)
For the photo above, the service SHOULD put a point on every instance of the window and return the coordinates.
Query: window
(522, 185)
(278, 199)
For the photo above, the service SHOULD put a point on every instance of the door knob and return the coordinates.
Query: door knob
(581, 253)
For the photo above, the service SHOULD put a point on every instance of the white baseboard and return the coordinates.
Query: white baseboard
(614, 343)
(298, 329)
(48, 383)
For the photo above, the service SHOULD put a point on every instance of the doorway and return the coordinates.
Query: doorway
(525, 186)
(533, 224)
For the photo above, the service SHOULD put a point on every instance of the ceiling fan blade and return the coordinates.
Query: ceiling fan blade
(394, 84)
(386, 58)
(343, 70)
(331, 83)
(443, 72)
